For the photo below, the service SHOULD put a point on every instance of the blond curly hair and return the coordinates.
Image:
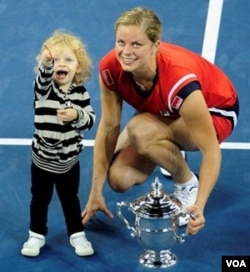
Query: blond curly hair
(63, 38)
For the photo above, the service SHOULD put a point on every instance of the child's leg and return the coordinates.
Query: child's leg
(67, 186)
(42, 191)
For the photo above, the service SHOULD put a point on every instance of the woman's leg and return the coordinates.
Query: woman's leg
(147, 141)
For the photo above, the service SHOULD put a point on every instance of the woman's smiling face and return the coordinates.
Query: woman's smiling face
(134, 50)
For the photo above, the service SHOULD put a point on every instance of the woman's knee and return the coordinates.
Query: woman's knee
(123, 178)
(139, 131)
(116, 180)
(144, 130)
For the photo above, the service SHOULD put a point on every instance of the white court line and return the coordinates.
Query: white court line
(212, 29)
(231, 145)
(210, 46)
(27, 142)
(17, 141)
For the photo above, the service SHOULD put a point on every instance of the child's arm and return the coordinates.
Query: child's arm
(46, 57)
(85, 113)
(43, 81)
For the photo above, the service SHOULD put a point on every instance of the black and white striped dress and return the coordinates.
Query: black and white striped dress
(56, 145)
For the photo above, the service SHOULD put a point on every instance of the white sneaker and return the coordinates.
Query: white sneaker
(32, 247)
(187, 196)
(165, 172)
(82, 246)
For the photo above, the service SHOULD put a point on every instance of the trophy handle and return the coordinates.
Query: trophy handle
(119, 206)
(181, 237)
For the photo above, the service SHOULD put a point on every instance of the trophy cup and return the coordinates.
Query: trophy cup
(156, 225)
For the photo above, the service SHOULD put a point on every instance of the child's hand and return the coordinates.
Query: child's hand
(47, 56)
(67, 115)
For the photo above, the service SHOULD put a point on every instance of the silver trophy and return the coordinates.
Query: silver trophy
(156, 225)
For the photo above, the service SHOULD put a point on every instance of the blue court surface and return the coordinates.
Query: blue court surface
(217, 29)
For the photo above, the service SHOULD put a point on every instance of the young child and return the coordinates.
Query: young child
(62, 109)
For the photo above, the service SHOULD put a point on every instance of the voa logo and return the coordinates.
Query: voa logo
(236, 263)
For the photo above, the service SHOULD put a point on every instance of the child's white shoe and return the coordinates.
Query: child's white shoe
(82, 246)
(32, 247)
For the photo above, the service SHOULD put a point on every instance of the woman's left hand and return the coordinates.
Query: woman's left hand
(196, 221)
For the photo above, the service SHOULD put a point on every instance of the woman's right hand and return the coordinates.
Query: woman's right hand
(95, 203)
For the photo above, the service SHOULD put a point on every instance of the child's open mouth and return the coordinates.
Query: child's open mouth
(61, 74)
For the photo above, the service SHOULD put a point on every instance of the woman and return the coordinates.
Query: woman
(183, 102)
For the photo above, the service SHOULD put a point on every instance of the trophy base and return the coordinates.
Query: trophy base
(154, 259)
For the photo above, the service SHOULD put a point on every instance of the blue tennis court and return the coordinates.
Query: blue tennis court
(217, 29)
